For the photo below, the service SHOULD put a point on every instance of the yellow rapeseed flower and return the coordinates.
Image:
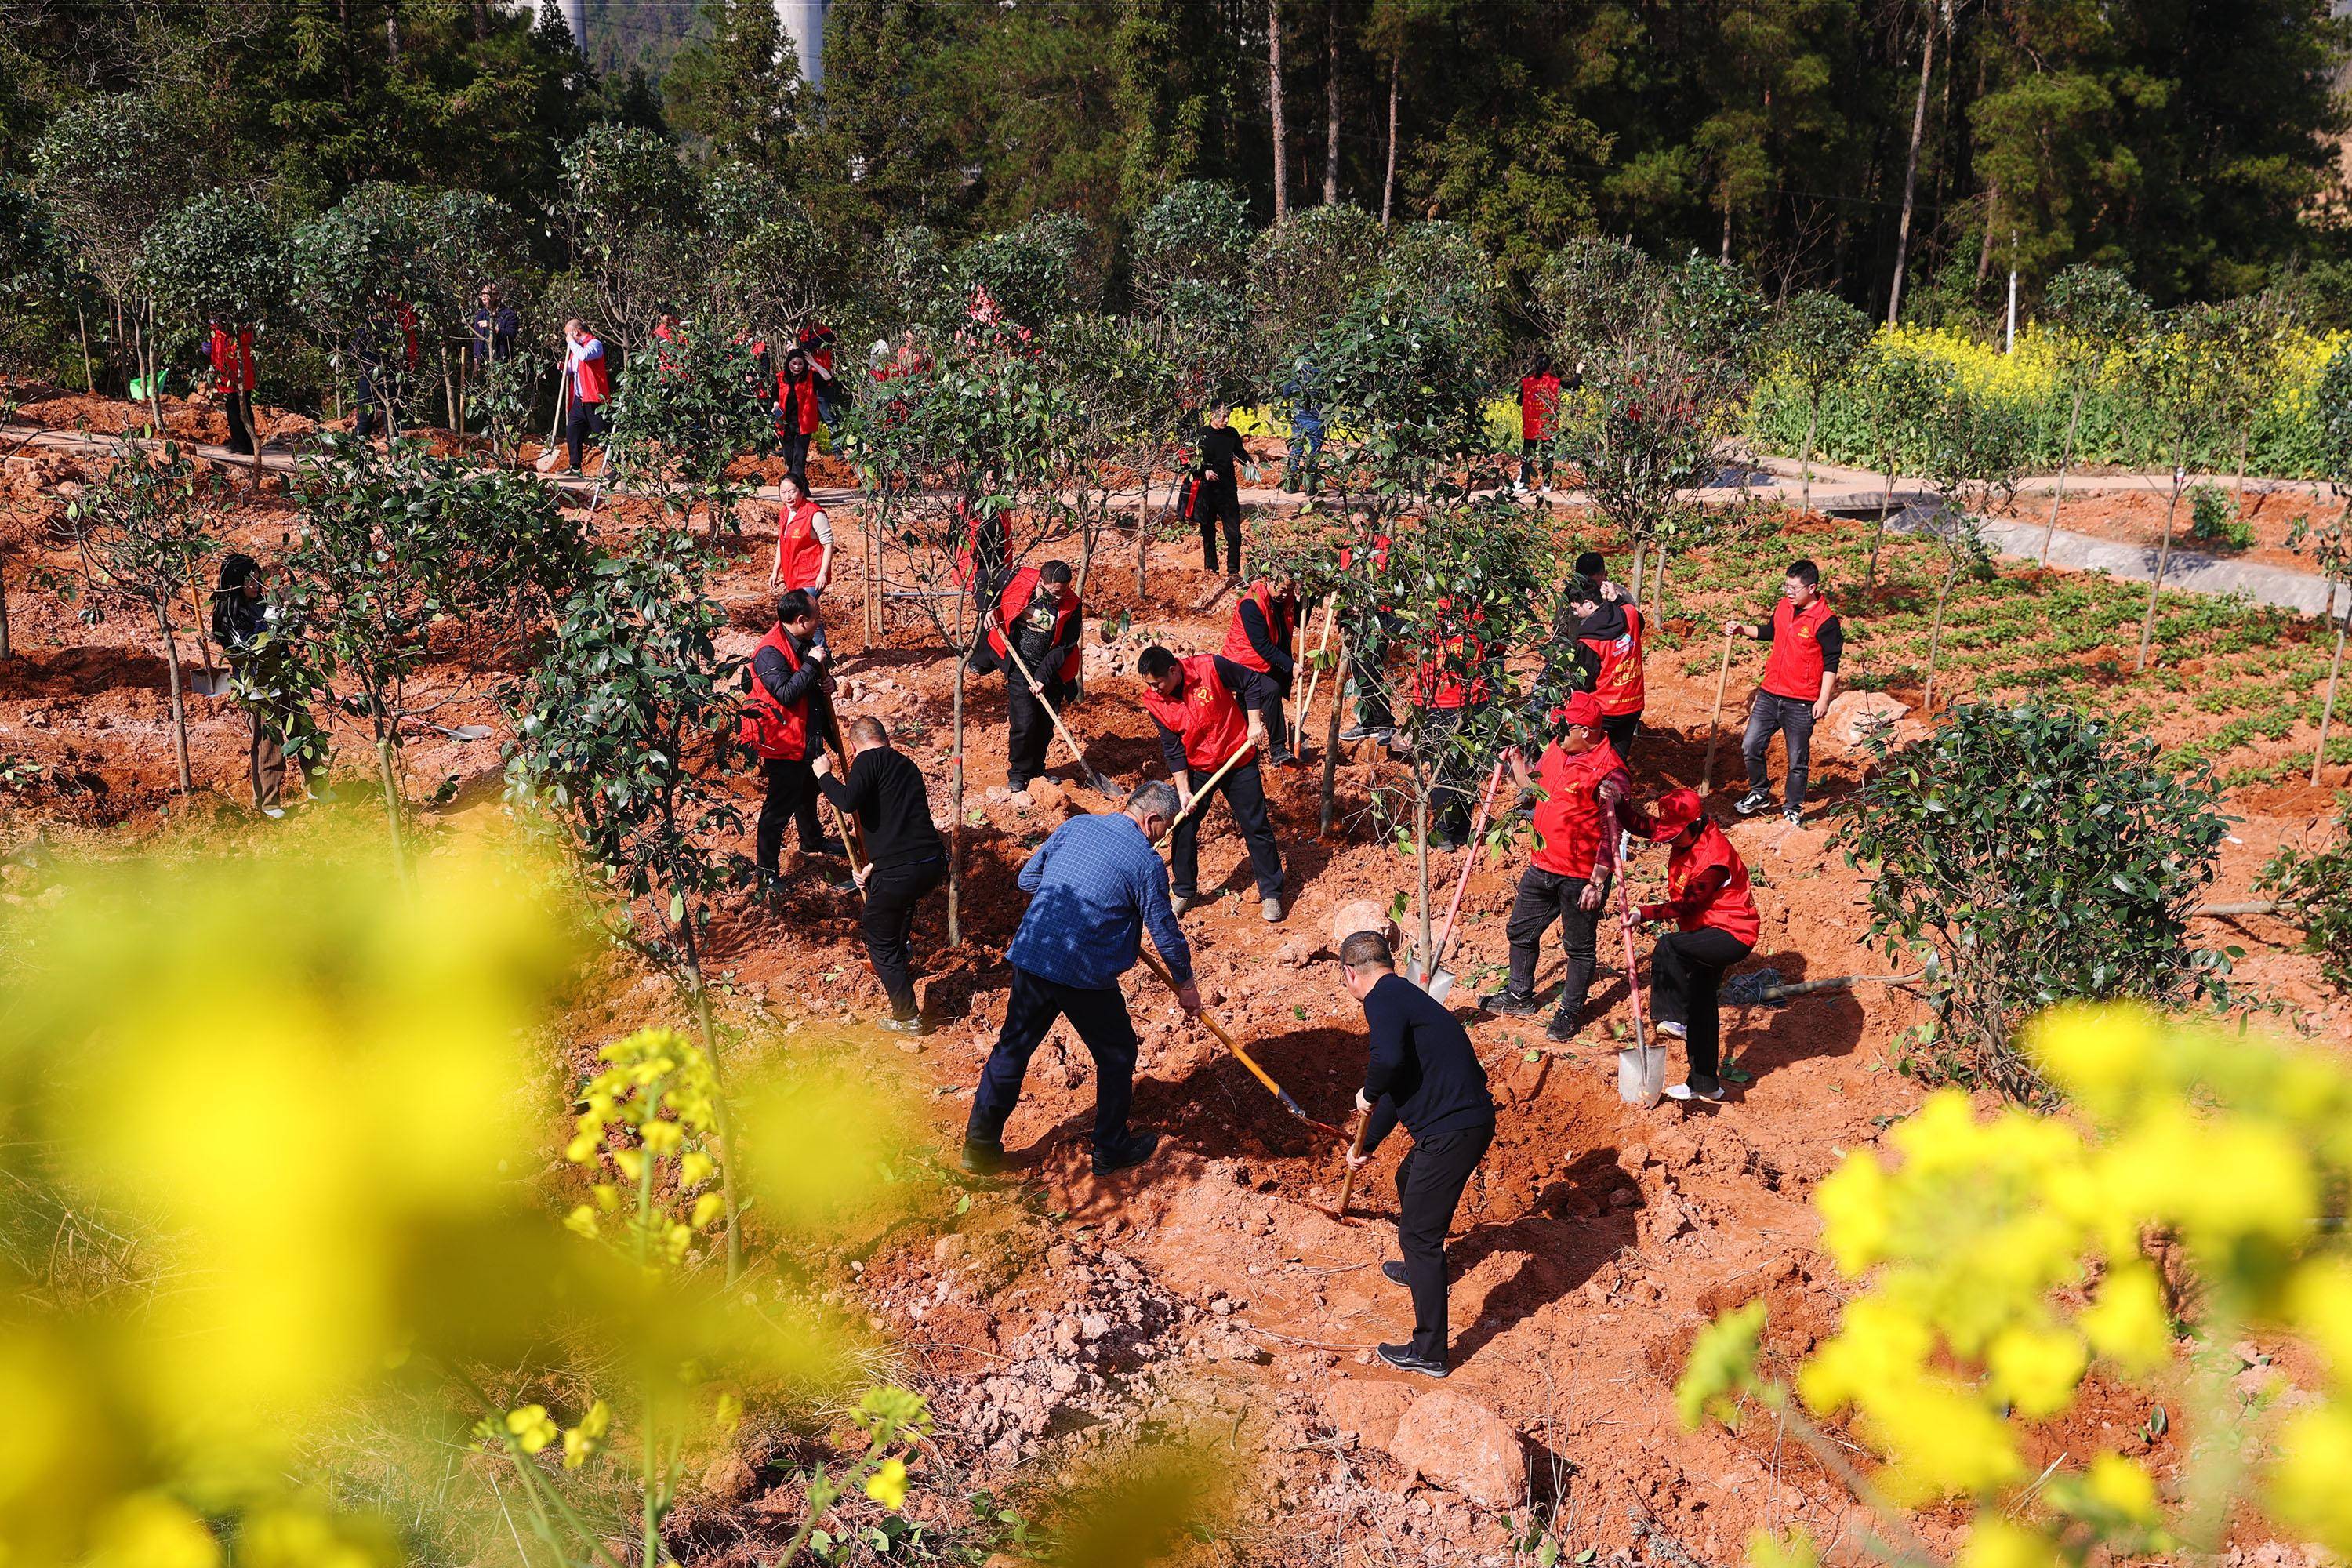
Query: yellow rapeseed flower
(2127, 1322)
(1996, 1542)
(1855, 1209)
(707, 1208)
(1795, 1549)
(2036, 1369)
(661, 1137)
(2306, 1478)
(695, 1169)
(582, 1222)
(731, 1413)
(888, 1484)
(2124, 1486)
(531, 1427)
(147, 1530)
(2319, 1299)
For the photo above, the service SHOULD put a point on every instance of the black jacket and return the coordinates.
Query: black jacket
(1221, 450)
(1275, 650)
(1423, 1070)
(886, 789)
(788, 686)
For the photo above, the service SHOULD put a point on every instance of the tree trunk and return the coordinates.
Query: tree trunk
(1274, 102)
(2326, 709)
(1143, 529)
(1812, 427)
(81, 323)
(2065, 457)
(1332, 738)
(1421, 787)
(1640, 560)
(1331, 103)
(2245, 436)
(1936, 642)
(4, 612)
(392, 34)
(2163, 559)
(1911, 169)
(390, 776)
(1388, 181)
(1658, 599)
(449, 392)
(955, 802)
(1878, 536)
(179, 700)
(727, 1151)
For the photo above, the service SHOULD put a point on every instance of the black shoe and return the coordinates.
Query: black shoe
(1754, 801)
(833, 847)
(766, 883)
(1508, 1004)
(1563, 1025)
(1137, 1148)
(983, 1159)
(1405, 1359)
(1393, 1272)
(1366, 733)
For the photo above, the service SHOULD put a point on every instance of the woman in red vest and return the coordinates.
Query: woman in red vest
(784, 722)
(798, 411)
(1579, 781)
(1714, 911)
(1800, 677)
(1207, 709)
(231, 351)
(1538, 410)
(586, 386)
(1266, 620)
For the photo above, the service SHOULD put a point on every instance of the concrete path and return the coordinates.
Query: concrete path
(1834, 488)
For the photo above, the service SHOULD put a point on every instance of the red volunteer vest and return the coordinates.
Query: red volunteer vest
(1204, 717)
(1437, 676)
(804, 409)
(1793, 667)
(769, 727)
(1732, 911)
(799, 551)
(1538, 397)
(232, 361)
(1568, 820)
(589, 378)
(1619, 684)
(1013, 603)
(1281, 619)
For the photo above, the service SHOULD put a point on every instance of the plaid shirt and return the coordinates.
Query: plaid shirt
(1093, 886)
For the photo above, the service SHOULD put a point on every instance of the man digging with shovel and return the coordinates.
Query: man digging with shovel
(1210, 711)
(1421, 1071)
(1037, 619)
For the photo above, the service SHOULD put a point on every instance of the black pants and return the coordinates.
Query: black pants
(1449, 789)
(367, 410)
(796, 450)
(891, 894)
(1621, 727)
(1100, 1019)
(792, 795)
(1220, 499)
(1534, 456)
(1429, 1188)
(1545, 896)
(1364, 673)
(1794, 718)
(1685, 971)
(581, 421)
(1244, 793)
(239, 406)
(1029, 730)
(1278, 734)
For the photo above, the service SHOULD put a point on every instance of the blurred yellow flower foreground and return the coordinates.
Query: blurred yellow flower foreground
(2004, 1259)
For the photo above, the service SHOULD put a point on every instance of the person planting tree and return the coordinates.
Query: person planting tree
(1420, 1069)
(1260, 636)
(1714, 911)
(1800, 677)
(586, 387)
(906, 856)
(1094, 887)
(784, 723)
(1208, 709)
(1609, 657)
(1579, 781)
(1039, 613)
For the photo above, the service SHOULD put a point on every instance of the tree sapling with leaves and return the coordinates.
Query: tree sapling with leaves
(2093, 313)
(1975, 456)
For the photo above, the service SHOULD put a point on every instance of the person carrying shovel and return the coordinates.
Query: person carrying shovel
(1579, 781)
(1714, 911)
(1094, 887)
(1210, 712)
(1265, 622)
(885, 793)
(1423, 1071)
(1038, 620)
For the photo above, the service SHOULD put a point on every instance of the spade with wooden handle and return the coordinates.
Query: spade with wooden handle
(1235, 1046)
(1314, 676)
(1355, 1152)
(1098, 781)
(1715, 719)
(1204, 791)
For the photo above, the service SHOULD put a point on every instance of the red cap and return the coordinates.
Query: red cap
(1675, 810)
(1582, 708)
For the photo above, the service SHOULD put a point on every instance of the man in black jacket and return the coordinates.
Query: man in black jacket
(1216, 491)
(907, 857)
(1424, 1073)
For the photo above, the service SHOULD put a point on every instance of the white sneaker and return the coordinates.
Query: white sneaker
(1270, 911)
(1182, 901)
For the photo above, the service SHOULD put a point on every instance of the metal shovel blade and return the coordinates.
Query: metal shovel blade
(1438, 988)
(210, 682)
(470, 732)
(1641, 1075)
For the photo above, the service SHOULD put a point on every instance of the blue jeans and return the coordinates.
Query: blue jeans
(1794, 718)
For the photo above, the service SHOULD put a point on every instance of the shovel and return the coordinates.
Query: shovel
(1246, 1061)
(1764, 987)
(1347, 1179)
(1096, 780)
(1641, 1067)
(1440, 982)
(1205, 791)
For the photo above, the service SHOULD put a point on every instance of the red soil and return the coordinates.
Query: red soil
(1595, 1239)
